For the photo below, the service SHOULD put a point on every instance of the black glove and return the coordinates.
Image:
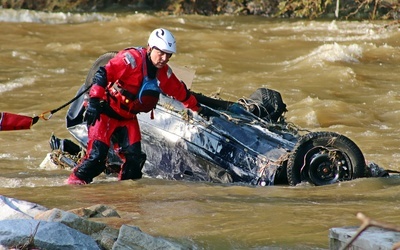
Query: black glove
(206, 112)
(93, 111)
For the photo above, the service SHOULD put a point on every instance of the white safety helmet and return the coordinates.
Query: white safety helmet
(163, 40)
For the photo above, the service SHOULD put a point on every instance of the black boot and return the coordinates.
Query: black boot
(134, 162)
(94, 164)
(132, 168)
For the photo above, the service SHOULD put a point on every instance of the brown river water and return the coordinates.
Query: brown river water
(333, 76)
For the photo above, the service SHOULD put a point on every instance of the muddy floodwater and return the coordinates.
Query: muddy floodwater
(333, 76)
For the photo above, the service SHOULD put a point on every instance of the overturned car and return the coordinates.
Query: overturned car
(247, 141)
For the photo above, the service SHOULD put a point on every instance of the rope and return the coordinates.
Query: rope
(42, 115)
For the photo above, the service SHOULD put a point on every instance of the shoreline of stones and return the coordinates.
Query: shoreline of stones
(31, 226)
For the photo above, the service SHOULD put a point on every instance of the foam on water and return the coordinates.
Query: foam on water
(54, 18)
(32, 182)
(337, 31)
(28, 16)
(330, 53)
(16, 83)
(71, 47)
(8, 156)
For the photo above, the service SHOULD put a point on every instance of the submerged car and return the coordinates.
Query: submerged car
(247, 142)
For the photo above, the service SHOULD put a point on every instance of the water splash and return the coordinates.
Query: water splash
(8, 156)
(28, 16)
(328, 53)
(32, 182)
(16, 83)
(338, 53)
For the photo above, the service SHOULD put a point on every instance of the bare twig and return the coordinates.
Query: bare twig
(396, 246)
(392, 24)
(365, 2)
(375, 8)
(366, 223)
(30, 243)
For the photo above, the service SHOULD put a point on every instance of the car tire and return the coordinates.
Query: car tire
(323, 158)
(100, 61)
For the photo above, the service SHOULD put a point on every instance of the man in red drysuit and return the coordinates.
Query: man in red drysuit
(129, 83)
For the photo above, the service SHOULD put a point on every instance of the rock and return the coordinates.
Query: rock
(49, 235)
(133, 238)
(96, 211)
(100, 232)
(72, 220)
(107, 237)
(16, 209)
(58, 229)
(372, 238)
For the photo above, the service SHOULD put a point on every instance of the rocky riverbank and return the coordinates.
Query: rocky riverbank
(26, 225)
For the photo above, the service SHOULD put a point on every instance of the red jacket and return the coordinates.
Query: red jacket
(124, 76)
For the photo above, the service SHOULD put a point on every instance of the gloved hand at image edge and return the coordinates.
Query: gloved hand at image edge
(93, 111)
(206, 112)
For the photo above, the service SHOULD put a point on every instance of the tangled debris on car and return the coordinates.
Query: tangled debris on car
(247, 142)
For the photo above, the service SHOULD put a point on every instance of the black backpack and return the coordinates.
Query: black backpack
(265, 103)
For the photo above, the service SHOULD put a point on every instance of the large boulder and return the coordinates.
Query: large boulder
(16, 209)
(24, 225)
(133, 238)
(104, 235)
(96, 211)
(42, 235)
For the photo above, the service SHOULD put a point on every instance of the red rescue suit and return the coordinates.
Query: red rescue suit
(126, 89)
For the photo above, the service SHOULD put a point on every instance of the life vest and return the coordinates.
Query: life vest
(147, 95)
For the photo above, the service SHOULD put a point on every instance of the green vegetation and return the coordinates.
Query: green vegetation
(344, 9)
(311, 9)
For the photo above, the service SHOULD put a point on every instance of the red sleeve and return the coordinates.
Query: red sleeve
(126, 67)
(172, 86)
(115, 68)
(97, 91)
